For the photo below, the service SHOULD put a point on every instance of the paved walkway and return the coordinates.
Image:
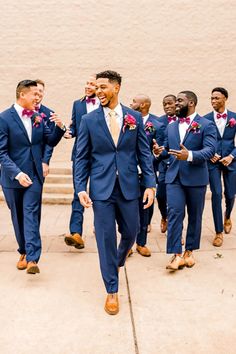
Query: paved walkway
(60, 311)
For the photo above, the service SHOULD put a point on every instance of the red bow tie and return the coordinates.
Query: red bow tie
(224, 116)
(27, 112)
(184, 120)
(90, 100)
(171, 118)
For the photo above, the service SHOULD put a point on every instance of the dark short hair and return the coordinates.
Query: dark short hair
(191, 96)
(110, 75)
(24, 84)
(221, 90)
(170, 95)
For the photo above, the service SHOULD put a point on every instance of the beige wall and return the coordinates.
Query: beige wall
(158, 46)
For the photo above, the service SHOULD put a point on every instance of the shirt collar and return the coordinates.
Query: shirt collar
(192, 116)
(117, 109)
(145, 118)
(19, 109)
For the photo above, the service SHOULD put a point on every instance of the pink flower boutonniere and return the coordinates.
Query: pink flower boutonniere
(129, 122)
(37, 119)
(194, 127)
(149, 128)
(231, 123)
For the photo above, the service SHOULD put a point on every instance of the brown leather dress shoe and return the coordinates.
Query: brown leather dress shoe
(143, 250)
(188, 258)
(74, 240)
(22, 263)
(227, 225)
(112, 304)
(218, 240)
(130, 252)
(32, 268)
(163, 225)
(176, 263)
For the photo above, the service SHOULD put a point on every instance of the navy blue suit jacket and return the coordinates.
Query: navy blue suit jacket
(225, 144)
(48, 149)
(17, 153)
(79, 109)
(97, 157)
(203, 146)
(162, 166)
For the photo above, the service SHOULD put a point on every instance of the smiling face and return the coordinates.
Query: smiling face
(90, 87)
(182, 105)
(218, 101)
(169, 105)
(28, 97)
(107, 92)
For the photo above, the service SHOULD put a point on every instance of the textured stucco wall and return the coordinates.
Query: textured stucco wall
(158, 46)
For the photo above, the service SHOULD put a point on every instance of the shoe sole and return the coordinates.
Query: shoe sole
(111, 312)
(173, 270)
(71, 242)
(21, 268)
(144, 255)
(33, 270)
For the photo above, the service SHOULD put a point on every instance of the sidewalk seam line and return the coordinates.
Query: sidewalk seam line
(131, 313)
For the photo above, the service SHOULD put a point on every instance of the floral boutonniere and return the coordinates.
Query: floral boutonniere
(149, 128)
(231, 123)
(129, 122)
(37, 119)
(194, 127)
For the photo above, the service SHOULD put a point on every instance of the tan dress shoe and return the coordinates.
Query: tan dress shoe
(163, 225)
(130, 252)
(22, 263)
(218, 240)
(188, 258)
(176, 263)
(74, 240)
(149, 228)
(227, 226)
(32, 268)
(112, 304)
(143, 250)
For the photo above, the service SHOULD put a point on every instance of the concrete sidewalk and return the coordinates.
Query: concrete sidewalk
(61, 310)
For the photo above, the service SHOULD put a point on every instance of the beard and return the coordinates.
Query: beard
(183, 112)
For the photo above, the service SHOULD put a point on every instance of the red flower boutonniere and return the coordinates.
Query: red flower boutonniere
(231, 123)
(37, 119)
(194, 127)
(149, 128)
(129, 122)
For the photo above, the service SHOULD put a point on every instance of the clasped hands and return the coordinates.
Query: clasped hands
(226, 161)
(181, 154)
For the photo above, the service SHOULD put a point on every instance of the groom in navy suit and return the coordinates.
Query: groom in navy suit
(191, 142)
(23, 135)
(223, 164)
(112, 143)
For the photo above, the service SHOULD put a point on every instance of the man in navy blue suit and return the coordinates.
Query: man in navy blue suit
(191, 142)
(168, 118)
(112, 143)
(223, 164)
(23, 135)
(86, 104)
(154, 130)
(48, 150)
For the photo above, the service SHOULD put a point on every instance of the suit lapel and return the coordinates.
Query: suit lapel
(176, 131)
(196, 119)
(19, 122)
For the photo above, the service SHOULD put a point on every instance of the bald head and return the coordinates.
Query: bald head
(141, 103)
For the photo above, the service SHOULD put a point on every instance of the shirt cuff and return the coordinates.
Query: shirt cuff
(18, 176)
(81, 192)
(190, 156)
(231, 156)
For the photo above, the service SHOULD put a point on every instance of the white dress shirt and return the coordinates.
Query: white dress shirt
(91, 107)
(220, 122)
(183, 127)
(145, 118)
(119, 115)
(25, 120)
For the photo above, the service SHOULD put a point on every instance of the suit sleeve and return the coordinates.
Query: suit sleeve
(209, 144)
(82, 158)
(145, 157)
(73, 121)
(10, 167)
(52, 137)
(48, 150)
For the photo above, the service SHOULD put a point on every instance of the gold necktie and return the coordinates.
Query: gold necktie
(114, 127)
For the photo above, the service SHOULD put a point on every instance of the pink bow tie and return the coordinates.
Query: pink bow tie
(184, 120)
(90, 100)
(224, 116)
(27, 112)
(171, 118)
